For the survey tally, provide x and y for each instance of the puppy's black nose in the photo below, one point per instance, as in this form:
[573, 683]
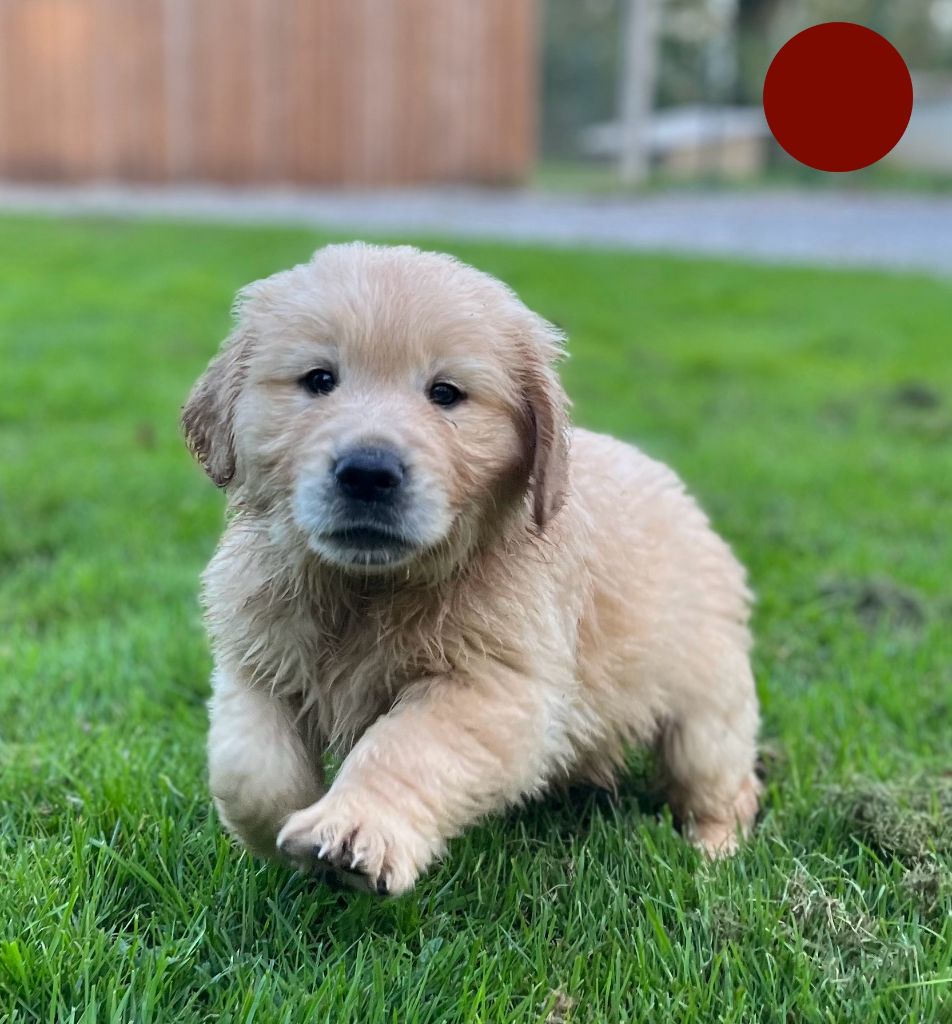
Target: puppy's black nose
[369, 474]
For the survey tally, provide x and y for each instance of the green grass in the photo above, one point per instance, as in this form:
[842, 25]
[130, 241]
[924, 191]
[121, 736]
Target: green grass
[810, 410]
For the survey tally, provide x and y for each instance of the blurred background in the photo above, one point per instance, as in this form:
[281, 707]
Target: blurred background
[558, 94]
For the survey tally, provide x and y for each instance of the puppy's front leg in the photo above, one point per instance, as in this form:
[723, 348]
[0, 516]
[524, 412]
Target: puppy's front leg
[258, 768]
[451, 751]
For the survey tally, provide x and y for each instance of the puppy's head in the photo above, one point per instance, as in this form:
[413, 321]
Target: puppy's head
[386, 405]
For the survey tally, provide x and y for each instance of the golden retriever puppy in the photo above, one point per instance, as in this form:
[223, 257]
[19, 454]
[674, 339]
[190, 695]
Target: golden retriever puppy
[429, 574]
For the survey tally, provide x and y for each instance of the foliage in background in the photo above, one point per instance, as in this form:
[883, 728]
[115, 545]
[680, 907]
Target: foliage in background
[580, 67]
[712, 51]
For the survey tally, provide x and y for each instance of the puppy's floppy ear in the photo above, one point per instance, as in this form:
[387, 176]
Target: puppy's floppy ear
[547, 405]
[208, 415]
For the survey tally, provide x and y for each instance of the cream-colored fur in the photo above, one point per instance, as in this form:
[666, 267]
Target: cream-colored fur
[562, 596]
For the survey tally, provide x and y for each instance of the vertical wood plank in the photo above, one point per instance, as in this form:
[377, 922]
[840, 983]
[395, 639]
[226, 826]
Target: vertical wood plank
[303, 91]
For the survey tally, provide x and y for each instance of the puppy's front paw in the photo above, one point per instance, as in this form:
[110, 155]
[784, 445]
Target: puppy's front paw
[369, 846]
[719, 837]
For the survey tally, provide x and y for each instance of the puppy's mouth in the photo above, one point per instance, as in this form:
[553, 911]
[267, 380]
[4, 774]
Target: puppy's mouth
[368, 538]
[365, 544]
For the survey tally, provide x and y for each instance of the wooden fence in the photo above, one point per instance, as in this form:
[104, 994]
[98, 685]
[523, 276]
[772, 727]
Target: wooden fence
[300, 91]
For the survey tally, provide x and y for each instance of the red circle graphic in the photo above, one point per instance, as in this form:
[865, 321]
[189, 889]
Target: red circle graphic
[838, 96]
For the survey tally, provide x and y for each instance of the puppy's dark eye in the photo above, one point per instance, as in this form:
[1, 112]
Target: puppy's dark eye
[319, 382]
[446, 395]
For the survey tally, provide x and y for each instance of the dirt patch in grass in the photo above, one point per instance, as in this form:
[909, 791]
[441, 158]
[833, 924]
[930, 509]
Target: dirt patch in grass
[915, 394]
[726, 924]
[930, 885]
[910, 821]
[839, 412]
[918, 410]
[876, 601]
[836, 930]
[560, 1010]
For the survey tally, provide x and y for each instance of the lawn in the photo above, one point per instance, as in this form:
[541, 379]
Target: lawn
[810, 410]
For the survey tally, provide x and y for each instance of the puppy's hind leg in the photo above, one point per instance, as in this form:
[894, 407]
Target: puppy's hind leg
[709, 754]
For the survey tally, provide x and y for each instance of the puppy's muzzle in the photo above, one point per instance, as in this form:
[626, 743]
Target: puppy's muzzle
[370, 475]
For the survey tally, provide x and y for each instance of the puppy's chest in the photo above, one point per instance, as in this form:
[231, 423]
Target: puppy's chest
[353, 663]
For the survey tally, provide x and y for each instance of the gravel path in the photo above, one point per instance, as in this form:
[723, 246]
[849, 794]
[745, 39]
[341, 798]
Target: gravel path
[885, 230]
